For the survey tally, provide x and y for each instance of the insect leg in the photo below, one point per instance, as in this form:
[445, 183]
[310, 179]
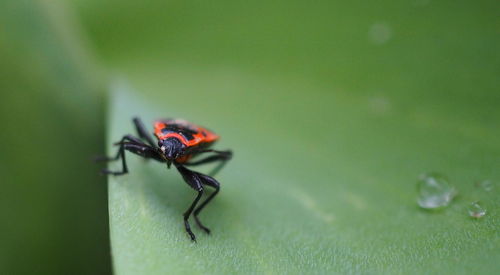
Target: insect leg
[144, 151]
[121, 153]
[210, 182]
[141, 130]
[193, 180]
[129, 138]
[222, 156]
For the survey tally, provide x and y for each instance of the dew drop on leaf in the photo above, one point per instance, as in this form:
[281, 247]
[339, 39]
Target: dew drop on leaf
[475, 210]
[434, 191]
[486, 185]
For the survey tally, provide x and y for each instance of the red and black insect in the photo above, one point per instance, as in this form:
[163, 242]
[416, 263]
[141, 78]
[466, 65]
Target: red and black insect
[178, 141]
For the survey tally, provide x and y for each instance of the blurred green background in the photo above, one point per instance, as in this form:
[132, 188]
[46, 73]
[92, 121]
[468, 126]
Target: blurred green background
[358, 97]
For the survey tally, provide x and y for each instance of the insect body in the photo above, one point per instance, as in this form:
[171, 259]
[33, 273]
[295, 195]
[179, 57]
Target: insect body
[178, 141]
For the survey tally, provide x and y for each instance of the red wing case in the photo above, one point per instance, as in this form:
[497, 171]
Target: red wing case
[189, 134]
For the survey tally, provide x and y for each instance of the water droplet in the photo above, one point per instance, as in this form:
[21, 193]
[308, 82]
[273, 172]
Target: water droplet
[434, 191]
[475, 210]
[486, 185]
[380, 33]
[380, 105]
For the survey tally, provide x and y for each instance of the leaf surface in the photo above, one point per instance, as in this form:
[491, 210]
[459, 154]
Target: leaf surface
[303, 196]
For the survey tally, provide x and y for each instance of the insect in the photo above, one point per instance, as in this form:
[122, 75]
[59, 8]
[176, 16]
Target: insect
[178, 142]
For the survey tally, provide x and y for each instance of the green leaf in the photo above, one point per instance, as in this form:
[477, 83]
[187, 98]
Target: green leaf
[52, 199]
[320, 183]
